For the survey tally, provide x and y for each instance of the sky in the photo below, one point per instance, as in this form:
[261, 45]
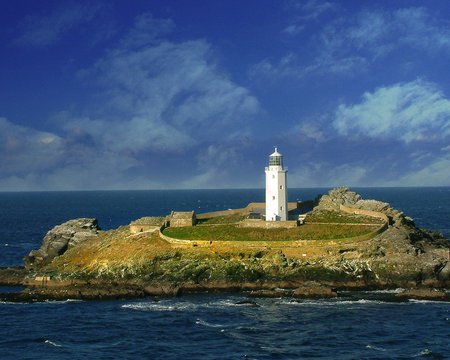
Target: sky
[169, 94]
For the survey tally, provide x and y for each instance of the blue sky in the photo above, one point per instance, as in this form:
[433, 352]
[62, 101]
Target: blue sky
[195, 94]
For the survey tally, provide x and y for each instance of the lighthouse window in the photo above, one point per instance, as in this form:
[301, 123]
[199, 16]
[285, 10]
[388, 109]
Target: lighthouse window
[281, 187]
[273, 176]
[275, 161]
[273, 197]
[281, 208]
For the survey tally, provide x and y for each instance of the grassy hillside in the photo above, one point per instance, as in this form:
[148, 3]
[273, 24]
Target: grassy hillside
[234, 233]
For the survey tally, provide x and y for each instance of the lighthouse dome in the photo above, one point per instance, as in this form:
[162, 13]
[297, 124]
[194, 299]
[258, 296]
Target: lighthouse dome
[275, 153]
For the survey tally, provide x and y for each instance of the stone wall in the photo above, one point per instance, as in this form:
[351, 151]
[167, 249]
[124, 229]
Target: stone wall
[370, 213]
[138, 228]
[214, 214]
[268, 224]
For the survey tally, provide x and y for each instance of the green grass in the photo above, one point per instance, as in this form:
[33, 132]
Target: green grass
[233, 233]
[340, 218]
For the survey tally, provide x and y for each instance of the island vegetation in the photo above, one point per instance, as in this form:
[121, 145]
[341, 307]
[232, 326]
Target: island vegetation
[370, 246]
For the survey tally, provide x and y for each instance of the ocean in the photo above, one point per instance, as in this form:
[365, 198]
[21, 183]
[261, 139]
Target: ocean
[211, 326]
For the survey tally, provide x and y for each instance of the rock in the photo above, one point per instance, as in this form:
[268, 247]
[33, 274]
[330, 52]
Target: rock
[161, 290]
[318, 291]
[270, 293]
[61, 238]
[423, 294]
[337, 197]
[12, 275]
[343, 196]
[444, 273]
[73, 292]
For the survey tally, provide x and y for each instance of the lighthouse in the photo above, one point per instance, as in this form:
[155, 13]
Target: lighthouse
[276, 189]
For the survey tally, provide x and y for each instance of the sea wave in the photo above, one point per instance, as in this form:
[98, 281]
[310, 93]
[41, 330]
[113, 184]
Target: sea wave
[373, 347]
[173, 305]
[52, 343]
[160, 306]
[430, 354]
[423, 301]
[208, 324]
[328, 302]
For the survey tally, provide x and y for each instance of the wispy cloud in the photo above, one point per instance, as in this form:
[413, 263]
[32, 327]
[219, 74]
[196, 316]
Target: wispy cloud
[376, 33]
[46, 29]
[311, 9]
[166, 96]
[349, 45]
[435, 173]
[157, 104]
[146, 29]
[291, 66]
[410, 111]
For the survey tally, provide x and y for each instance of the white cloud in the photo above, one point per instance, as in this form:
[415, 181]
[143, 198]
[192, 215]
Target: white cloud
[156, 101]
[379, 32]
[293, 29]
[146, 29]
[436, 173]
[308, 130]
[310, 10]
[167, 96]
[47, 29]
[348, 45]
[291, 66]
[24, 150]
[410, 111]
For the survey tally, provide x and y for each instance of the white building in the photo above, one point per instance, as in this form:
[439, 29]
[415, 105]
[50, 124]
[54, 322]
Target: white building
[276, 189]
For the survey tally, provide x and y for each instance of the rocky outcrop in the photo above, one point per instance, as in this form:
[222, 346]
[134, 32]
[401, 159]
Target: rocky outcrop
[342, 196]
[423, 294]
[12, 275]
[61, 238]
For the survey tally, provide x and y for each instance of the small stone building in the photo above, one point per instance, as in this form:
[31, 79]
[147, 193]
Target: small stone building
[182, 218]
[148, 223]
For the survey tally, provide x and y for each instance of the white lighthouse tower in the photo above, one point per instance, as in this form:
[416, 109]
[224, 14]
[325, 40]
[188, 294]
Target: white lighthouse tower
[276, 189]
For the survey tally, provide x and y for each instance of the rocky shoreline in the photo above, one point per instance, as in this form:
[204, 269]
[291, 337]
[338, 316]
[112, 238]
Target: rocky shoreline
[79, 261]
[15, 277]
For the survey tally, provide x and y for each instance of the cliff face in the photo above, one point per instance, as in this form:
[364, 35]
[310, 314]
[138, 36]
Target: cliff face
[61, 238]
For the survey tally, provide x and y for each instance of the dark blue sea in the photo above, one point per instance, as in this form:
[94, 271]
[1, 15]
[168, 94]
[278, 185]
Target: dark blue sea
[210, 326]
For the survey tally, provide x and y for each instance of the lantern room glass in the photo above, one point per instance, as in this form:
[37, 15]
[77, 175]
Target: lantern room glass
[275, 161]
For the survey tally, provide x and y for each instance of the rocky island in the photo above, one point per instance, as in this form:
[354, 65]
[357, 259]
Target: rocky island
[344, 243]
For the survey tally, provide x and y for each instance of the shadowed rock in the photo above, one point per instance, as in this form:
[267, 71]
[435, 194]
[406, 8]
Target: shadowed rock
[61, 238]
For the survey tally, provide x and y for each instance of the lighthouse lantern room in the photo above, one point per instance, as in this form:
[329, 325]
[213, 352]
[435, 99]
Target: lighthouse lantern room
[276, 189]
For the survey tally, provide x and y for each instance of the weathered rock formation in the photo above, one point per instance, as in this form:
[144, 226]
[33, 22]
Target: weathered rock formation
[61, 238]
[342, 196]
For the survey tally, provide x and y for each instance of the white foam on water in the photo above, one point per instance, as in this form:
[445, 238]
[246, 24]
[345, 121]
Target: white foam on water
[149, 306]
[329, 303]
[428, 301]
[373, 347]
[52, 343]
[207, 324]
[13, 303]
[184, 306]
[385, 291]
[231, 303]
[429, 354]
[66, 301]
